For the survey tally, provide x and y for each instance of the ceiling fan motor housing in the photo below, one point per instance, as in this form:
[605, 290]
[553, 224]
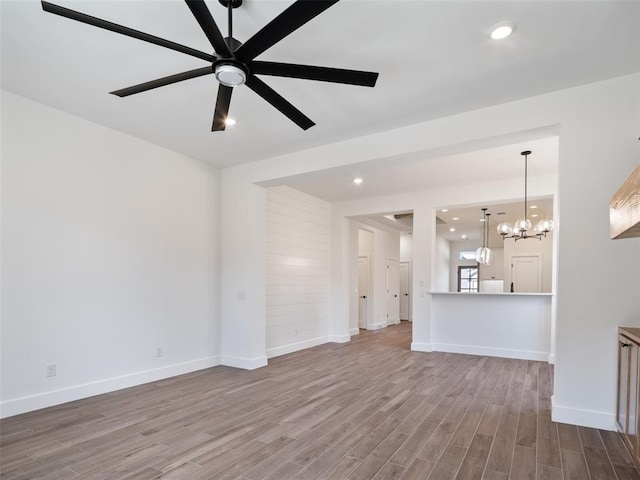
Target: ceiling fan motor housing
[230, 71]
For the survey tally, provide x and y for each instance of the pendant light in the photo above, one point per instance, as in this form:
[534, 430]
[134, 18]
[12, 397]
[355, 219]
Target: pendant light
[520, 229]
[483, 254]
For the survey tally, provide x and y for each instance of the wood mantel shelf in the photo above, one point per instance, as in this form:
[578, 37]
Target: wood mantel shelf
[624, 211]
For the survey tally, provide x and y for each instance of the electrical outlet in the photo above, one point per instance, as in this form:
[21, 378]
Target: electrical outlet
[159, 351]
[51, 370]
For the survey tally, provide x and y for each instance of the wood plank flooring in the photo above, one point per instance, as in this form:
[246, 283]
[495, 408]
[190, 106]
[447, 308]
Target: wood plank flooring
[368, 409]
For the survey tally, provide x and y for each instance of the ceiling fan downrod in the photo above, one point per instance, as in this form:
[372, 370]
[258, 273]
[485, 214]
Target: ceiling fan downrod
[231, 73]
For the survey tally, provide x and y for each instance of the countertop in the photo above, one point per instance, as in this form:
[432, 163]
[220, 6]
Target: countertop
[504, 294]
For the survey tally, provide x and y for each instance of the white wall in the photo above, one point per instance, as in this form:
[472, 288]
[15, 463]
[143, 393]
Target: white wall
[110, 249]
[406, 247]
[365, 242]
[442, 265]
[243, 275]
[298, 256]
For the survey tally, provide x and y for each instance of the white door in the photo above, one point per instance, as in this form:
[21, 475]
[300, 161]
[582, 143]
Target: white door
[526, 273]
[363, 290]
[393, 291]
[405, 297]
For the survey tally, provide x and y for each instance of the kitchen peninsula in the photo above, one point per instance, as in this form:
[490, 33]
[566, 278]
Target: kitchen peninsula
[512, 325]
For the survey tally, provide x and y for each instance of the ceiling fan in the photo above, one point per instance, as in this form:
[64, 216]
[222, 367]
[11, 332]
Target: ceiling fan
[233, 62]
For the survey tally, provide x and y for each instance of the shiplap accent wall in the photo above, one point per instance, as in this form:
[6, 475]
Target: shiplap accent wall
[298, 257]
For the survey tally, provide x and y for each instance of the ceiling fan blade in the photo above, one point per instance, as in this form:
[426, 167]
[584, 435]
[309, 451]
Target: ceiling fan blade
[209, 27]
[287, 22]
[161, 82]
[129, 32]
[309, 72]
[222, 108]
[274, 98]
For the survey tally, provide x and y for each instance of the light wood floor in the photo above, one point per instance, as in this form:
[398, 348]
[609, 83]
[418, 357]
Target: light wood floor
[369, 409]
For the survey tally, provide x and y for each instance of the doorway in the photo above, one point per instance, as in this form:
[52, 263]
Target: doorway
[526, 273]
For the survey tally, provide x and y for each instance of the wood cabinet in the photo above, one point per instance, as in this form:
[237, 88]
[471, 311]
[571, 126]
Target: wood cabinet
[627, 405]
[494, 271]
[624, 211]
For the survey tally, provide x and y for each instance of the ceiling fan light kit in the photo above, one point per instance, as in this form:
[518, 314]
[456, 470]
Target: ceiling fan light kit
[521, 227]
[233, 62]
[230, 75]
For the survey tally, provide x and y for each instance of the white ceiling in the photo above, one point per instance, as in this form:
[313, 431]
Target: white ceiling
[468, 221]
[422, 171]
[434, 59]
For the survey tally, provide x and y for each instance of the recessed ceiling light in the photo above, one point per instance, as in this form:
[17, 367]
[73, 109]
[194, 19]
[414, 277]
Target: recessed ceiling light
[229, 121]
[502, 30]
[452, 229]
[445, 210]
[357, 180]
[533, 206]
[456, 218]
[534, 215]
[482, 220]
[464, 237]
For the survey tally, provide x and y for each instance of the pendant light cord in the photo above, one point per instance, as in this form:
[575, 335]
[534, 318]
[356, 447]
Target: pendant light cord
[525, 188]
[487, 227]
[230, 15]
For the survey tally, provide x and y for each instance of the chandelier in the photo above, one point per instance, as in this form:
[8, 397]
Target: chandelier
[483, 254]
[520, 229]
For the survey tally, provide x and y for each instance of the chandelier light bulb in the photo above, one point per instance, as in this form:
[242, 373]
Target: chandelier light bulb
[544, 226]
[522, 225]
[505, 228]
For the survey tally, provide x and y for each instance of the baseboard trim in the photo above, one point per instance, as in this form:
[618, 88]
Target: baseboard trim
[491, 352]
[244, 363]
[341, 338]
[29, 403]
[294, 347]
[584, 418]
[376, 326]
[421, 347]
[354, 331]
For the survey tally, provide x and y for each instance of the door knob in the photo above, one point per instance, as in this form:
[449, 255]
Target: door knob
[363, 296]
[395, 296]
[406, 294]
